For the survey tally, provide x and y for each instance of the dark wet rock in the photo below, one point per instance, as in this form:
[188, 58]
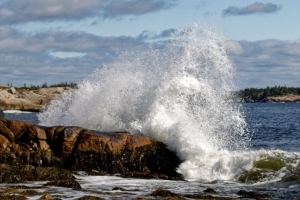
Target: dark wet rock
[90, 198]
[12, 197]
[1, 114]
[75, 148]
[163, 193]
[17, 172]
[204, 197]
[69, 183]
[146, 175]
[253, 195]
[46, 196]
[210, 190]
[118, 188]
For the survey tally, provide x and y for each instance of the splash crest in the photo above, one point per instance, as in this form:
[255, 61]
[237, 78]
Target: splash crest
[179, 93]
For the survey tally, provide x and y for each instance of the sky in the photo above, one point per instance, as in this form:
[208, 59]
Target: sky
[54, 41]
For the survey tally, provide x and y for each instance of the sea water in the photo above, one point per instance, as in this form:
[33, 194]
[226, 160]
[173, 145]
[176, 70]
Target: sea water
[181, 93]
[275, 130]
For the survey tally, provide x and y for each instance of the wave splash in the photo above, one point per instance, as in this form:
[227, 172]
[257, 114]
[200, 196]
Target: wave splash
[179, 93]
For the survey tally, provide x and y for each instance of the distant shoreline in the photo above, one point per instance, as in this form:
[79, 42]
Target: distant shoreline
[34, 100]
[290, 98]
[29, 100]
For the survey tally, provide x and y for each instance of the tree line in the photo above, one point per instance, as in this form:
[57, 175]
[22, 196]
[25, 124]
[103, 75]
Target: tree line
[261, 93]
[45, 85]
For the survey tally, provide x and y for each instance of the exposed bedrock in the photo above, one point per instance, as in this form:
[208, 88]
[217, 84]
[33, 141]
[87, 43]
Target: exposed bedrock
[29, 100]
[79, 149]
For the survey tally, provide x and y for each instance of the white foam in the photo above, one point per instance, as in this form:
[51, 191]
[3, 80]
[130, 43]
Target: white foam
[16, 112]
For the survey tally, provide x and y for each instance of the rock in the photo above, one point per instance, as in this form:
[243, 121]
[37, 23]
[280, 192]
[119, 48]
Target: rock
[253, 195]
[1, 114]
[19, 172]
[29, 100]
[90, 198]
[163, 193]
[210, 190]
[12, 197]
[12, 90]
[46, 196]
[69, 183]
[75, 148]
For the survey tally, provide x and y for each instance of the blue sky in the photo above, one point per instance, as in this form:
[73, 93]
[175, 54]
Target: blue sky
[50, 41]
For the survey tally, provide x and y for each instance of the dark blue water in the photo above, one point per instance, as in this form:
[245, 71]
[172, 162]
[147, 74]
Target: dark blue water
[22, 116]
[274, 125]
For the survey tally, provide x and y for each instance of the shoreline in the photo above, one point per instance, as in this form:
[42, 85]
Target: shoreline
[34, 100]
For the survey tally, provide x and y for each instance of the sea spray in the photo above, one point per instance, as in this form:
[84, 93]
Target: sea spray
[179, 93]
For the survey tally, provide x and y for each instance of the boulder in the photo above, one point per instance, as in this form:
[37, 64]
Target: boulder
[79, 149]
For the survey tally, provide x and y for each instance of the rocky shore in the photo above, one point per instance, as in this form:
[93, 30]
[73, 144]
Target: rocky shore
[35, 153]
[28, 100]
[78, 149]
[52, 156]
[272, 99]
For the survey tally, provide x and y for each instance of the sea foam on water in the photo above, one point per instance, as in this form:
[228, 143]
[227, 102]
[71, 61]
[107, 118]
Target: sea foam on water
[179, 93]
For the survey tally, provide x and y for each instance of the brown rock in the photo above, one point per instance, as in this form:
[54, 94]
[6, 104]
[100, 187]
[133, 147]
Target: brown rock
[6, 132]
[69, 183]
[4, 142]
[78, 149]
[163, 193]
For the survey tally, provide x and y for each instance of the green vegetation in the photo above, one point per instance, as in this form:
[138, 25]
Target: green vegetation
[261, 93]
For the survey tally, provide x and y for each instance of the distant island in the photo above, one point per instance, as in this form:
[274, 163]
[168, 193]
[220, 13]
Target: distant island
[270, 94]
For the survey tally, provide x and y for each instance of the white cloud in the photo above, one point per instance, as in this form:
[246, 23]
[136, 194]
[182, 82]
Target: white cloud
[268, 63]
[22, 11]
[251, 9]
[66, 54]
[53, 57]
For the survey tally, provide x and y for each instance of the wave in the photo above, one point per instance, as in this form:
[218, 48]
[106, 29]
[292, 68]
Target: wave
[179, 93]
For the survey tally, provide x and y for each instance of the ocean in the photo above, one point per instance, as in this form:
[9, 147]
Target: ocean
[275, 137]
[181, 93]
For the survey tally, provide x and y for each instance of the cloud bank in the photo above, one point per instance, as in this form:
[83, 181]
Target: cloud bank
[31, 58]
[251, 9]
[54, 57]
[58, 56]
[22, 11]
[266, 62]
